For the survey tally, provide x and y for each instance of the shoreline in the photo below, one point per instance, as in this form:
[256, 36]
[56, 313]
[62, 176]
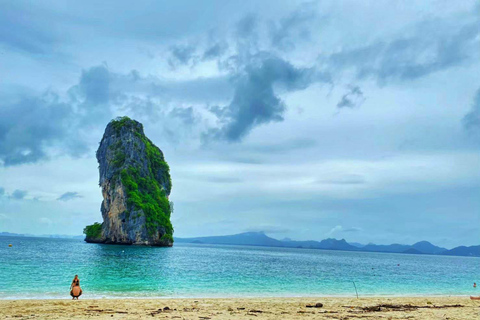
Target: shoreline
[427, 307]
[366, 296]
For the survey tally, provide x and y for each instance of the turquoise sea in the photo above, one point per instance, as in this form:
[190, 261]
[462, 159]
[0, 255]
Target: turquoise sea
[44, 268]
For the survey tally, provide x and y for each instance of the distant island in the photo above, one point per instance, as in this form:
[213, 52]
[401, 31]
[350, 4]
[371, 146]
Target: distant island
[261, 239]
[136, 183]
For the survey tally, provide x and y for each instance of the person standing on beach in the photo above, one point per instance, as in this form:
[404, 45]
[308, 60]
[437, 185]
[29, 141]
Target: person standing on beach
[75, 290]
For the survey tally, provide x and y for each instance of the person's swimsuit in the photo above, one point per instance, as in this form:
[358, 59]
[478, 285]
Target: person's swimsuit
[76, 283]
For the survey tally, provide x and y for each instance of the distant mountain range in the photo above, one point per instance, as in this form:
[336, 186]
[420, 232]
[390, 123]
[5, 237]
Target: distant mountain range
[261, 239]
[60, 236]
[423, 247]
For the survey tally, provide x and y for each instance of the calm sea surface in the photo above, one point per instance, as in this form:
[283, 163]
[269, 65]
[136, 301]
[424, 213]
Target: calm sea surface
[44, 268]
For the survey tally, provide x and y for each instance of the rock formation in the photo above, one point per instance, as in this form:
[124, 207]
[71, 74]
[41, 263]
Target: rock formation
[135, 183]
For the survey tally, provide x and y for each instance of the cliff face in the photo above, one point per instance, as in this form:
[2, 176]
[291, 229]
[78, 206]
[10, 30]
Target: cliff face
[135, 183]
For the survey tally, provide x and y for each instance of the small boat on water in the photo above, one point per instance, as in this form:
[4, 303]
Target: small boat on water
[474, 298]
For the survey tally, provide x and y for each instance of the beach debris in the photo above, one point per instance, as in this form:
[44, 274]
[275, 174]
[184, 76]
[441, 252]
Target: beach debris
[240, 308]
[381, 307]
[256, 311]
[316, 305]
[356, 292]
[189, 309]
[445, 306]
[106, 311]
[229, 309]
[205, 318]
[153, 313]
[402, 307]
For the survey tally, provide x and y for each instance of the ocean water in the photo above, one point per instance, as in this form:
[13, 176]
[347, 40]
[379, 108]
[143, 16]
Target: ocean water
[44, 268]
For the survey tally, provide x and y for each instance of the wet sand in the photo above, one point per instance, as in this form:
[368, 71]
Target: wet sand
[245, 308]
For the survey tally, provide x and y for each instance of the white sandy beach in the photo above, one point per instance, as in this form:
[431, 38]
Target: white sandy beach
[245, 308]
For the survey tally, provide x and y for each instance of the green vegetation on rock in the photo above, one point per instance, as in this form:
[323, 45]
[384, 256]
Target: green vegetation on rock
[158, 168]
[119, 123]
[93, 231]
[146, 194]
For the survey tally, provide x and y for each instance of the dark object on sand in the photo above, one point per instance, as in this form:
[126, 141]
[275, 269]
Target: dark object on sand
[474, 298]
[316, 305]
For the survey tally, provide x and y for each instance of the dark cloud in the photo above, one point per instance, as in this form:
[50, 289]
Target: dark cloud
[215, 51]
[69, 196]
[471, 120]
[30, 124]
[187, 115]
[181, 55]
[286, 33]
[141, 108]
[22, 28]
[18, 194]
[94, 85]
[254, 101]
[94, 95]
[353, 98]
[434, 46]
[247, 26]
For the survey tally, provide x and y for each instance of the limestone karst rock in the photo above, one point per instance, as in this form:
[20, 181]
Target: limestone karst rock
[136, 183]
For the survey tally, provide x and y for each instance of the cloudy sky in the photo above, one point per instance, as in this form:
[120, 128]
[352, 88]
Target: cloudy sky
[345, 119]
